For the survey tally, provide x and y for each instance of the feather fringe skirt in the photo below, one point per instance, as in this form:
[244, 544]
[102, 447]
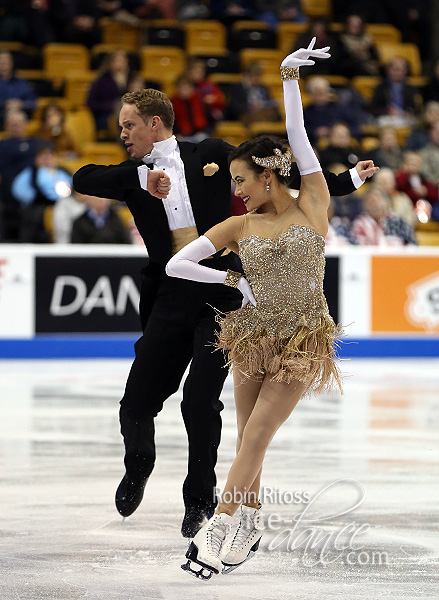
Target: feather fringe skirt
[308, 355]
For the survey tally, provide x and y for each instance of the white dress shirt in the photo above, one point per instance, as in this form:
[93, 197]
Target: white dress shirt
[166, 156]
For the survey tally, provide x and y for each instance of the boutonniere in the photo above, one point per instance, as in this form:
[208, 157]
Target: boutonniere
[210, 169]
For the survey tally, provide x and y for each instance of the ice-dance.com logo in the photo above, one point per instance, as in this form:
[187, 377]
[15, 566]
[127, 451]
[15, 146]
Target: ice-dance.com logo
[318, 538]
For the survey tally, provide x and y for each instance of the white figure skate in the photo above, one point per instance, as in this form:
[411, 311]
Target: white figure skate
[242, 546]
[206, 546]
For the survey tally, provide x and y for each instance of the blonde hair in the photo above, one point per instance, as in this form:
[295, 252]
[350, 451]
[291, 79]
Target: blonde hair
[150, 102]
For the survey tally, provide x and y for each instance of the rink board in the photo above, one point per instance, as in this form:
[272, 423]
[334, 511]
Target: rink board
[82, 301]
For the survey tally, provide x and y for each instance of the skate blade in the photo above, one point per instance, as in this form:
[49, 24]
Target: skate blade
[191, 555]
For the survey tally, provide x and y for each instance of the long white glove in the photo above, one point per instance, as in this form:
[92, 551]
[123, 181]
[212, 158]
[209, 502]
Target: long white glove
[302, 150]
[185, 265]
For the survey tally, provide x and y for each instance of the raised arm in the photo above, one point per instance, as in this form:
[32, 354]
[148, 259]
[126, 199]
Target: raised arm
[314, 194]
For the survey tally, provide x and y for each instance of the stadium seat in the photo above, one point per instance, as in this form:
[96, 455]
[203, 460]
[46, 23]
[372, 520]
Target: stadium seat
[100, 51]
[268, 59]
[287, 34]
[70, 164]
[218, 61]
[126, 36]
[162, 63]
[252, 34]
[317, 8]
[268, 127]
[42, 84]
[365, 85]
[388, 50]
[164, 32]
[59, 59]
[77, 87]
[81, 126]
[384, 33]
[48, 222]
[369, 143]
[233, 132]
[103, 153]
[204, 35]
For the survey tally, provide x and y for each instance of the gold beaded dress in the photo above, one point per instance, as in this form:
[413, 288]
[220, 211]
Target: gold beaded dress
[289, 334]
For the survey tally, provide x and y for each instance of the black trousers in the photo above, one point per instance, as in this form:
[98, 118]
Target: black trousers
[180, 329]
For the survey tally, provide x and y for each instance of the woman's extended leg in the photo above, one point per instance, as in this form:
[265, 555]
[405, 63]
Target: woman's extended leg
[273, 406]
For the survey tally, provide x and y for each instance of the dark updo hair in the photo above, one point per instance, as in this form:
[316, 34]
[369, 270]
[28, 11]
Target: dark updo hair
[261, 146]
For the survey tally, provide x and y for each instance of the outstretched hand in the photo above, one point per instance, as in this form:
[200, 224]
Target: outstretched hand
[158, 183]
[365, 169]
[301, 57]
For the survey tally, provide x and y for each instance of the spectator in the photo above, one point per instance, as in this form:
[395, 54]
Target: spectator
[66, 210]
[409, 179]
[250, 100]
[75, 22]
[191, 123]
[52, 129]
[319, 28]
[151, 9]
[358, 55]
[36, 188]
[17, 151]
[15, 94]
[418, 137]
[398, 202]
[106, 91]
[99, 224]
[213, 99]
[339, 229]
[323, 111]
[378, 226]
[431, 90]
[229, 11]
[430, 155]
[340, 149]
[394, 98]
[192, 9]
[273, 11]
[389, 152]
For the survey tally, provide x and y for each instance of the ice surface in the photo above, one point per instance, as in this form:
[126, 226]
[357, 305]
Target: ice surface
[61, 461]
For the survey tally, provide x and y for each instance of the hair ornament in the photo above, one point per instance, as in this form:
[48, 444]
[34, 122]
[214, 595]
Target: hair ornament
[277, 161]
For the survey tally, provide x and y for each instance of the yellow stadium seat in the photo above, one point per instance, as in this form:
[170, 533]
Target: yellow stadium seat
[127, 37]
[59, 59]
[70, 164]
[48, 222]
[233, 132]
[103, 153]
[81, 126]
[12, 46]
[384, 33]
[162, 63]
[317, 8]
[268, 59]
[77, 87]
[427, 238]
[226, 78]
[402, 133]
[365, 85]
[369, 143]
[269, 127]
[287, 34]
[204, 36]
[388, 50]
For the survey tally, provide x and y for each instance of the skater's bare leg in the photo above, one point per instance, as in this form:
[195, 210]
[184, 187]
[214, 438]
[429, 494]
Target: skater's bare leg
[274, 404]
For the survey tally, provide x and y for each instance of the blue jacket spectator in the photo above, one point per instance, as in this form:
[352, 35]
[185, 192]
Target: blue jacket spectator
[15, 94]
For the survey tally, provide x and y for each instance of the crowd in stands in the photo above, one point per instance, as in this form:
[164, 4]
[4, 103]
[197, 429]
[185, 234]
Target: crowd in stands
[357, 106]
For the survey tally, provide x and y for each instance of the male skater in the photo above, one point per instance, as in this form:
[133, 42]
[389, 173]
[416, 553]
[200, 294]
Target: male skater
[177, 319]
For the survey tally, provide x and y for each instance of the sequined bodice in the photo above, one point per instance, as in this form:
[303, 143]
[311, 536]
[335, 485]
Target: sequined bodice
[286, 276]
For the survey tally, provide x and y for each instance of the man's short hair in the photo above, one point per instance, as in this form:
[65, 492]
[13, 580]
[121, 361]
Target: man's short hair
[150, 102]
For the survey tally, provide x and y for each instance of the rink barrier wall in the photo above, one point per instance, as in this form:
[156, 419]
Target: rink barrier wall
[82, 301]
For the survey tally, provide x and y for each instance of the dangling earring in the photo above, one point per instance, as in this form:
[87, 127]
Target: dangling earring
[268, 188]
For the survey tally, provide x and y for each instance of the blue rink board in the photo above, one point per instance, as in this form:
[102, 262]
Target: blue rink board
[121, 346]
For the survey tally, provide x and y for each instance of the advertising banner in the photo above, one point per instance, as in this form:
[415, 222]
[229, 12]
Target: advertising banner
[87, 294]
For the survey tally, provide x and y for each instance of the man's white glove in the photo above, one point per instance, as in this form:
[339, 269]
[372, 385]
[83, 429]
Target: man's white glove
[300, 58]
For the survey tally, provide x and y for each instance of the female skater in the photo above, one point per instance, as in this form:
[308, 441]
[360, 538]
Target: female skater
[281, 342]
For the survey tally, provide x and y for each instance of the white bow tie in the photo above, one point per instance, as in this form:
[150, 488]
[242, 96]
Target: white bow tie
[153, 157]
